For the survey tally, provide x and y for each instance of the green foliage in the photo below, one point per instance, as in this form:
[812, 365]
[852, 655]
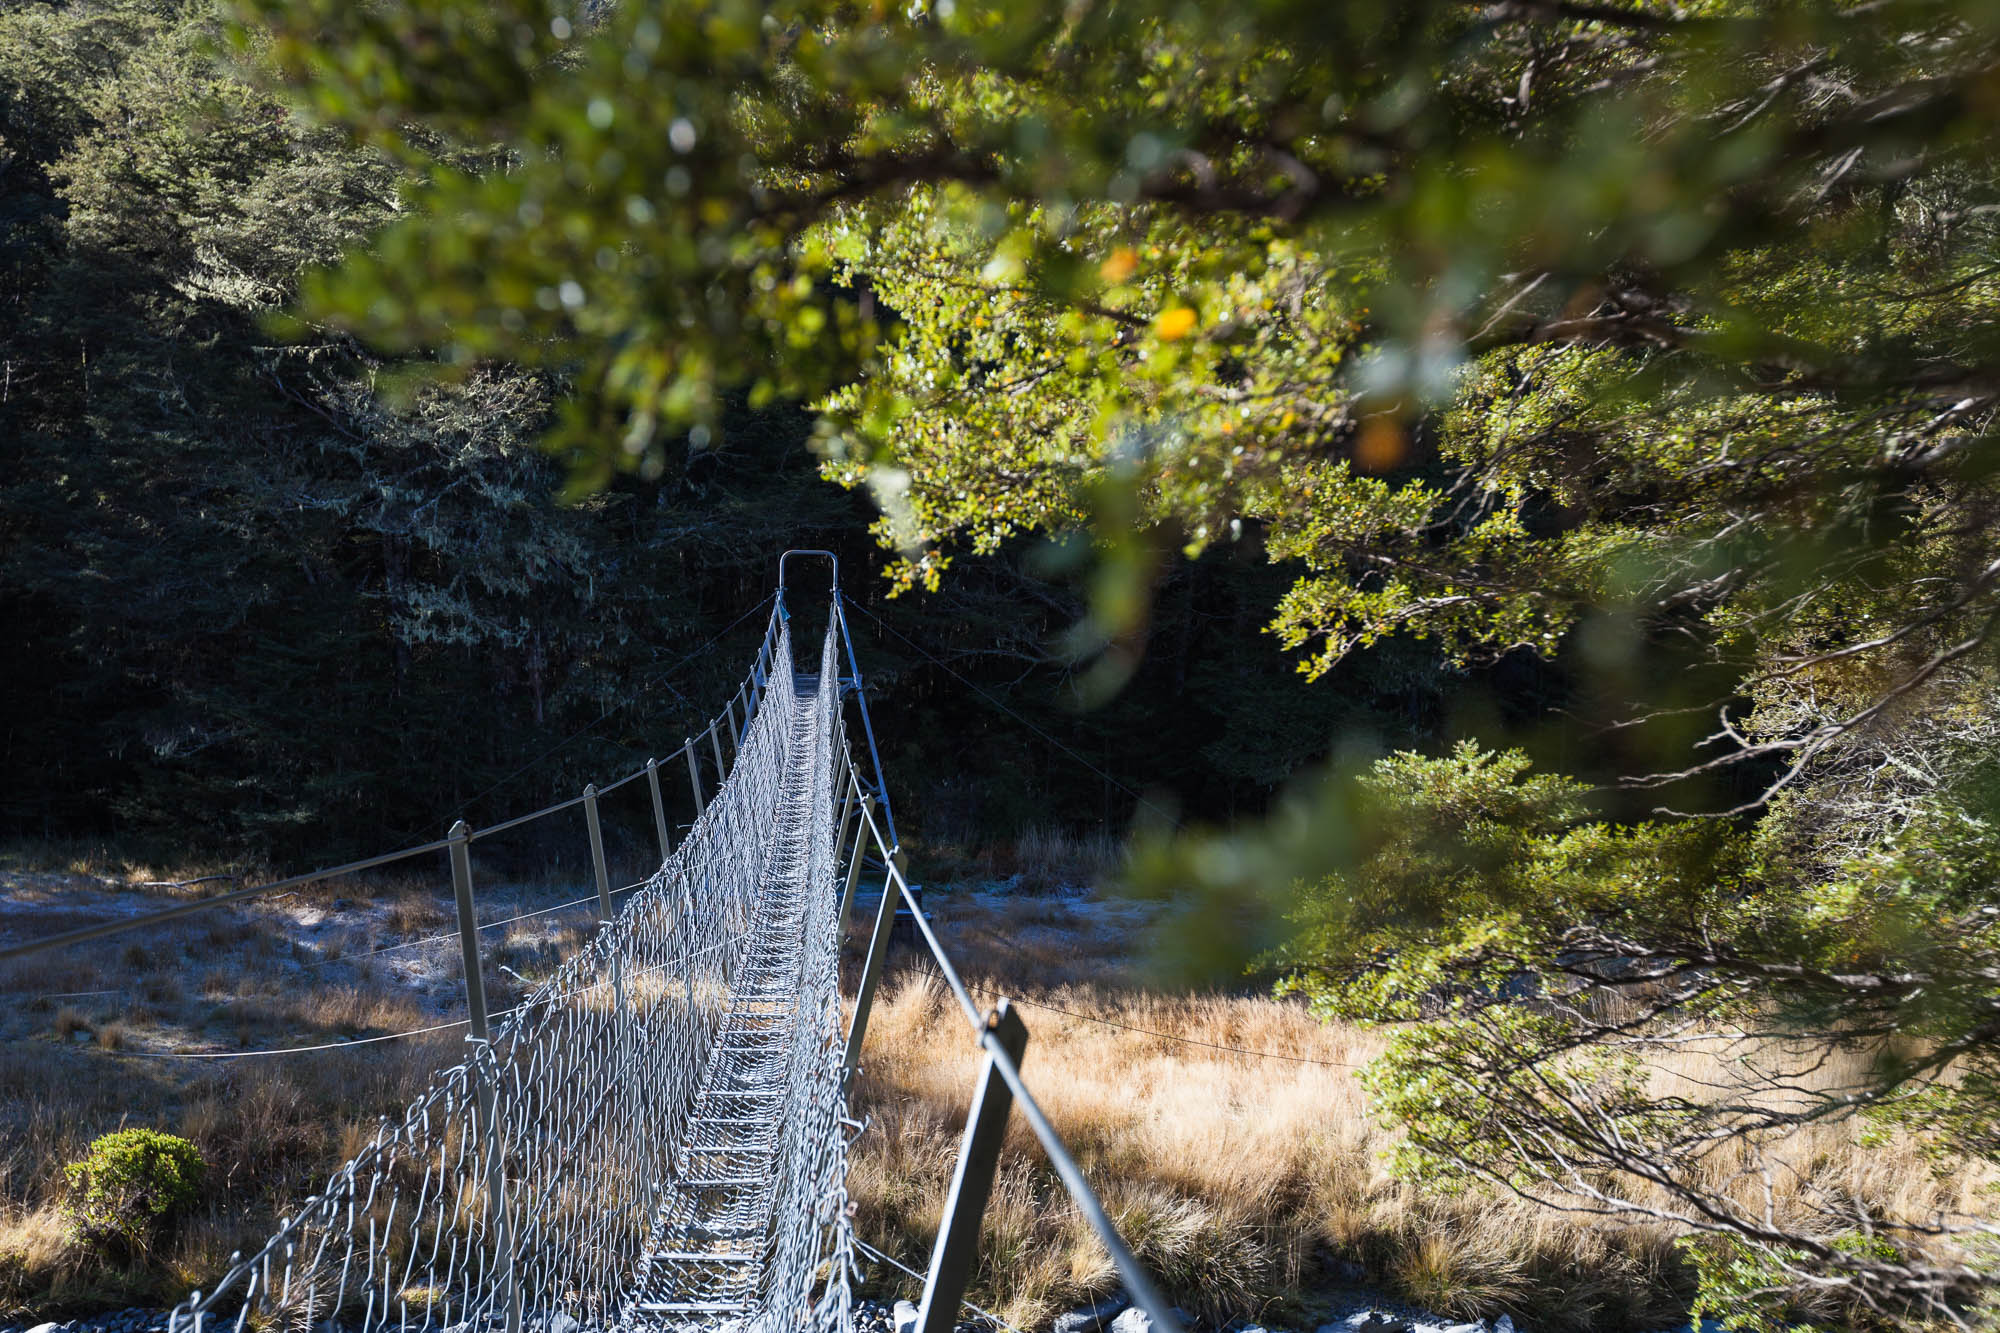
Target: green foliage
[1650, 348]
[131, 1186]
[292, 597]
[1541, 967]
[1466, 865]
[1486, 319]
[1751, 1290]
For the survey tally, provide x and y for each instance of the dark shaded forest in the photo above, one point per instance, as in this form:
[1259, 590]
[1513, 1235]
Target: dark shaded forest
[260, 594]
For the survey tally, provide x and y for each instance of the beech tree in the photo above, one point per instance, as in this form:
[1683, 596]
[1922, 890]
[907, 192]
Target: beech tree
[1656, 341]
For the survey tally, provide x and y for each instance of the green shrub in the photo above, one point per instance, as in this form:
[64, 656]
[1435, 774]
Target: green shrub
[132, 1184]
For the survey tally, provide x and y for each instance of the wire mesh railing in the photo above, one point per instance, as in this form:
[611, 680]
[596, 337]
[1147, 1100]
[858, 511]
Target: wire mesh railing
[757, 1204]
[656, 1137]
[521, 1189]
[1001, 1034]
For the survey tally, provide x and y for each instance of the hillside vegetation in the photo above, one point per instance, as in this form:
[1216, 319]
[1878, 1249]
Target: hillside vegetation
[266, 596]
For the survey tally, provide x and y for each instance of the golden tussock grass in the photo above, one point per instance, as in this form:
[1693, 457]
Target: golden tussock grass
[1251, 1184]
[1248, 1184]
[269, 1133]
[1047, 858]
[1040, 859]
[87, 1035]
[1244, 1183]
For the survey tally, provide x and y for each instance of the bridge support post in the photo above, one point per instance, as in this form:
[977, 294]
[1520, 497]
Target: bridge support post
[854, 865]
[978, 1159]
[499, 1215]
[871, 969]
[468, 928]
[694, 777]
[604, 913]
[659, 809]
[597, 864]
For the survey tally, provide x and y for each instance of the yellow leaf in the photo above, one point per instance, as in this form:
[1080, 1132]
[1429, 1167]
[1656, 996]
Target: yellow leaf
[1119, 266]
[1381, 444]
[1174, 324]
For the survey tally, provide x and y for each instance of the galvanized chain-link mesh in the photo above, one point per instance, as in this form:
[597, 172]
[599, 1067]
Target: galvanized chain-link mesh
[550, 1180]
[759, 1169]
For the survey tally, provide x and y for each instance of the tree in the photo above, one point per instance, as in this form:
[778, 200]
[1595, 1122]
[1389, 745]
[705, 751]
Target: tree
[1652, 1021]
[1494, 315]
[259, 598]
[1655, 342]
[270, 594]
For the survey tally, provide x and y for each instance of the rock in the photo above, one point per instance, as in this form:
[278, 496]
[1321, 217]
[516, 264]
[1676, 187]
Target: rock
[1479, 1327]
[1506, 1325]
[904, 1317]
[1092, 1318]
[1371, 1321]
[562, 1323]
[46, 1328]
[1136, 1320]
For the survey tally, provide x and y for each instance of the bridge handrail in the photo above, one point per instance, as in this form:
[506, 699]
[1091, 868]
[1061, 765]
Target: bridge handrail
[867, 723]
[852, 680]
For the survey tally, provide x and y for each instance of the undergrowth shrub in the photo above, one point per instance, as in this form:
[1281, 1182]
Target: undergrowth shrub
[130, 1187]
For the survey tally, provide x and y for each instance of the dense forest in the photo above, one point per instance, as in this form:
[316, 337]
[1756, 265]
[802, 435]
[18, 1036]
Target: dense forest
[265, 595]
[1501, 498]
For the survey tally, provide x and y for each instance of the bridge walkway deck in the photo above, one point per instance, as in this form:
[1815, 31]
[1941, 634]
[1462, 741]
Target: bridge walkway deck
[706, 1258]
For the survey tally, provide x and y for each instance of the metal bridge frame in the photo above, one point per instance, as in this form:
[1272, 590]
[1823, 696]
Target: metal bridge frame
[1000, 1033]
[851, 681]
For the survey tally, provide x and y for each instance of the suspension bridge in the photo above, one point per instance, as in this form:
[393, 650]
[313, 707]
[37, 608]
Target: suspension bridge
[655, 1139]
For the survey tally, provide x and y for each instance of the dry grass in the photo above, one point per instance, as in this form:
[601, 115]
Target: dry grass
[1245, 1183]
[1041, 859]
[86, 1036]
[1252, 1184]
[1249, 1184]
[1045, 859]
